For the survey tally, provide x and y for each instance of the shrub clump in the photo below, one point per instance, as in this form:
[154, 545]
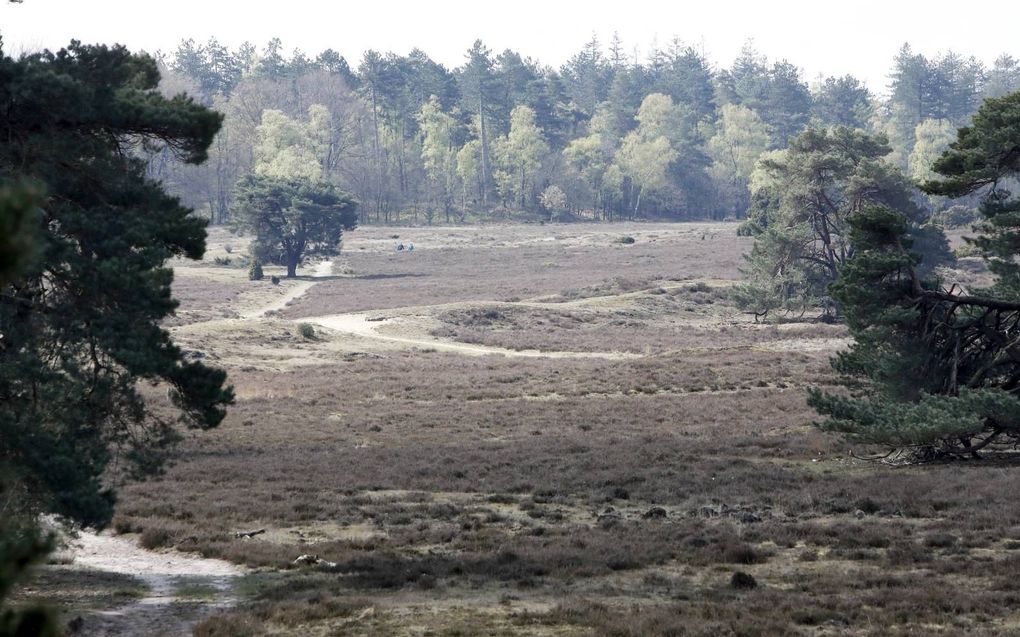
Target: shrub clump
[743, 581]
[306, 330]
[155, 537]
[255, 271]
[741, 553]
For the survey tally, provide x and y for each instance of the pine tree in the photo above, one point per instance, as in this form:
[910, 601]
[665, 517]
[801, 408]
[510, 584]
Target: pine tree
[80, 327]
[21, 543]
[292, 218]
[19, 206]
[936, 369]
[802, 201]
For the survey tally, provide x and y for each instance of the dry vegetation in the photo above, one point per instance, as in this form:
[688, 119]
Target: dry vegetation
[459, 495]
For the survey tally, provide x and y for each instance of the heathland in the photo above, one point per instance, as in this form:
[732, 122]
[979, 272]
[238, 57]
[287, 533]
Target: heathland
[540, 430]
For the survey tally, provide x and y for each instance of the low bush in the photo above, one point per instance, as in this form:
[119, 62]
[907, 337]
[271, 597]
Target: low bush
[155, 537]
[255, 271]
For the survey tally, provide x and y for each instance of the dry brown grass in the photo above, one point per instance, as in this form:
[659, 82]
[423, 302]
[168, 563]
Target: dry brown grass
[658, 319]
[461, 495]
[509, 263]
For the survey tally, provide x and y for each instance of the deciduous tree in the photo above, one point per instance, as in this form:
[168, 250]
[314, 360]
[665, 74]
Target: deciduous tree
[520, 156]
[741, 137]
[439, 151]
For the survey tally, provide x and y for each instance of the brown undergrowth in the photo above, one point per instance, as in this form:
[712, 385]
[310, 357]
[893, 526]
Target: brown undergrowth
[446, 494]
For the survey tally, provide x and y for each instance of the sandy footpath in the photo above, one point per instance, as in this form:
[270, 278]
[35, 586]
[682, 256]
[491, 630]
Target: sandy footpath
[160, 610]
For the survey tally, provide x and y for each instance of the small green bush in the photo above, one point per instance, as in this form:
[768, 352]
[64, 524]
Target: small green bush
[743, 581]
[255, 271]
[275, 280]
[626, 240]
[306, 330]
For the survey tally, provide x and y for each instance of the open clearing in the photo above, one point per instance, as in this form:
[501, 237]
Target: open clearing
[540, 430]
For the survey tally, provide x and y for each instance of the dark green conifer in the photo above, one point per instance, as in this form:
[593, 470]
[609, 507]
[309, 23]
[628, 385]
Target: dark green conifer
[936, 368]
[80, 325]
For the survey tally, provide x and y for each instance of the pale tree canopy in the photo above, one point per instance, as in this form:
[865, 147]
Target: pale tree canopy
[648, 150]
[589, 157]
[290, 149]
[933, 137]
[519, 155]
[742, 137]
[438, 151]
[646, 161]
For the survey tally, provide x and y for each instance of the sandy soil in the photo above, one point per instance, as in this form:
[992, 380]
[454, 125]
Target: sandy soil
[162, 610]
[256, 330]
[323, 269]
[404, 331]
[400, 330]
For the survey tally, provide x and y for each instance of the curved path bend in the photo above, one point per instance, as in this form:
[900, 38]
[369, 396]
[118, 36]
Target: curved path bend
[359, 324]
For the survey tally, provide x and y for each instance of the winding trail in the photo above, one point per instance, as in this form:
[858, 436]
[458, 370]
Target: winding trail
[323, 269]
[359, 324]
[404, 332]
[160, 611]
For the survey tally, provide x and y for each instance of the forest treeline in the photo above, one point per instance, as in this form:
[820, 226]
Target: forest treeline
[604, 136]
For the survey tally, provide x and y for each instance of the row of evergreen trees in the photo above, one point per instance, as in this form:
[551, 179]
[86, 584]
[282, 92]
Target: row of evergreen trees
[670, 136]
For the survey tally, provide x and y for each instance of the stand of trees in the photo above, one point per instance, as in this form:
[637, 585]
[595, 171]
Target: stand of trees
[670, 136]
[936, 369]
[803, 201]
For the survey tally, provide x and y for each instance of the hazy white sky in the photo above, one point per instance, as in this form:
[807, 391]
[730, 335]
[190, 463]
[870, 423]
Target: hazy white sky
[853, 36]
